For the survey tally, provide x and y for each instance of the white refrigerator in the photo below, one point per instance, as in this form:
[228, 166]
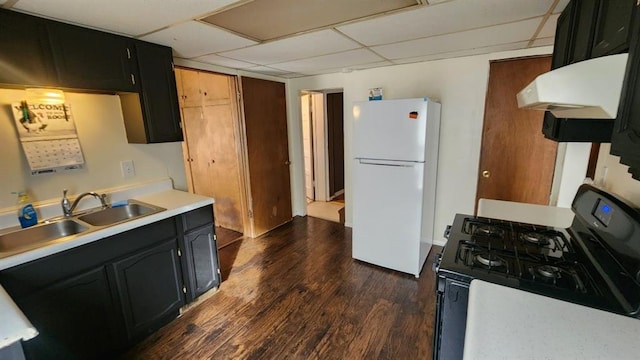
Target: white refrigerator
[395, 146]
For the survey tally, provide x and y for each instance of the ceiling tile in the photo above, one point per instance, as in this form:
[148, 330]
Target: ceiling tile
[122, 16]
[223, 61]
[543, 42]
[443, 18]
[333, 61]
[297, 47]
[271, 19]
[495, 35]
[561, 5]
[268, 71]
[350, 68]
[193, 39]
[466, 52]
[549, 28]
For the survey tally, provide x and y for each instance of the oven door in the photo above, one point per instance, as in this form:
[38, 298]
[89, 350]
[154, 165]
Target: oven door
[451, 319]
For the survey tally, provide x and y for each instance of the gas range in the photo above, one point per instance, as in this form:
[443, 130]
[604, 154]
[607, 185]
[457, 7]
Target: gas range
[595, 262]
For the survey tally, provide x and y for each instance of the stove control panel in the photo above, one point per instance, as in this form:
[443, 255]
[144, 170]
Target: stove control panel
[603, 212]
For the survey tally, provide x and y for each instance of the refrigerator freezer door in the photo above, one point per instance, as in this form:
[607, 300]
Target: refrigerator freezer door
[390, 129]
[387, 214]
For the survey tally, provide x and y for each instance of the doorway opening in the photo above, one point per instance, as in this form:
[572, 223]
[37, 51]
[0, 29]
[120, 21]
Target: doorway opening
[323, 147]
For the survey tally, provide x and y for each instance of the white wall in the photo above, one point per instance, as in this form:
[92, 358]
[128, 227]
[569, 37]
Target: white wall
[460, 84]
[103, 140]
[613, 176]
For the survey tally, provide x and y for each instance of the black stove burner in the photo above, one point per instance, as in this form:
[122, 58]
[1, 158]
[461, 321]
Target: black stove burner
[488, 230]
[549, 271]
[536, 238]
[489, 260]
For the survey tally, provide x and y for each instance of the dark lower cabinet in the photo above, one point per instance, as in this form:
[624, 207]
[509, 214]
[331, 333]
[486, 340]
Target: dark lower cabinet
[202, 259]
[201, 264]
[97, 299]
[150, 288]
[75, 319]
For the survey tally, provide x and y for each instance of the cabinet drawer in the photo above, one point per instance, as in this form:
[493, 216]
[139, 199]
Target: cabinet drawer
[197, 218]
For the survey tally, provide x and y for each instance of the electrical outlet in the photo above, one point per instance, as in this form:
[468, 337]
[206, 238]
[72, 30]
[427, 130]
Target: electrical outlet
[128, 171]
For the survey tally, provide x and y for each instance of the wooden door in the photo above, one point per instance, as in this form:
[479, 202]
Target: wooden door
[214, 88]
[516, 161]
[190, 88]
[335, 134]
[265, 119]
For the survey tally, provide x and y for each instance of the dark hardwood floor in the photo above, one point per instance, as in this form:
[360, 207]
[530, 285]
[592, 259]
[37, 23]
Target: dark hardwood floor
[296, 293]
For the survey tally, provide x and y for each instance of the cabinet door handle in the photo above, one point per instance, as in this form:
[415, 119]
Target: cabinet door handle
[133, 79]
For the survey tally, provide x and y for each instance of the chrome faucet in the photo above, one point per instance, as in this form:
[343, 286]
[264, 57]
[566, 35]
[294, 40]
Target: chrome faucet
[68, 209]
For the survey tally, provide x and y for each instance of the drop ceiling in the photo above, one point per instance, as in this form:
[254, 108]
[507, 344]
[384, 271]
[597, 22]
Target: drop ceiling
[295, 38]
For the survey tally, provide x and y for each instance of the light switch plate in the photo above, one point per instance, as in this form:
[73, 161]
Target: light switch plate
[128, 171]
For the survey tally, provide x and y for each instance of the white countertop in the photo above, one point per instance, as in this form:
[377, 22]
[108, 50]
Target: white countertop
[506, 323]
[175, 201]
[14, 325]
[525, 213]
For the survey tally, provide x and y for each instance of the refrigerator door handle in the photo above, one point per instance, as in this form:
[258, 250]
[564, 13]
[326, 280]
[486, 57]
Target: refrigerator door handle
[386, 163]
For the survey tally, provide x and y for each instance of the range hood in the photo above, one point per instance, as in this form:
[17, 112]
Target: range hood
[588, 89]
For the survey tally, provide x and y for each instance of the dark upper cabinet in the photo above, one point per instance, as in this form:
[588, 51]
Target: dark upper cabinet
[587, 29]
[159, 119]
[612, 28]
[74, 319]
[584, 25]
[562, 42]
[90, 59]
[150, 288]
[25, 55]
[626, 136]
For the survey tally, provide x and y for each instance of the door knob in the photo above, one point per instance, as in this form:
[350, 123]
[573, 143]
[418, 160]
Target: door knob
[287, 162]
[486, 174]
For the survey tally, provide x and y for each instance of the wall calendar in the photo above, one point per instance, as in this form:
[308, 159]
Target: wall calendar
[48, 136]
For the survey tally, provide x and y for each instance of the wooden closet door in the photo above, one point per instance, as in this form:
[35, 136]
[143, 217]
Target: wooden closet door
[212, 152]
[265, 119]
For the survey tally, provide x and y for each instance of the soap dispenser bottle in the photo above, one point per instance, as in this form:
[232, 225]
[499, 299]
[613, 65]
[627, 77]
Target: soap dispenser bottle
[26, 213]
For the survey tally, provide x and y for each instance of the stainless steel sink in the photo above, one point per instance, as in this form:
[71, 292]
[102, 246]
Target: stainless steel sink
[65, 228]
[115, 215]
[40, 234]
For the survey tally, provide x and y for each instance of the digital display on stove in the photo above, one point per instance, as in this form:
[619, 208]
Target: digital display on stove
[603, 212]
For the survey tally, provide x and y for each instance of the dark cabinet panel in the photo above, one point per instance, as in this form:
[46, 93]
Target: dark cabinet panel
[25, 55]
[562, 43]
[584, 26]
[626, 137]
[612, 29]
[160, 120]
[202, 259]
[90, 59]
[74, 319]
[150, 288]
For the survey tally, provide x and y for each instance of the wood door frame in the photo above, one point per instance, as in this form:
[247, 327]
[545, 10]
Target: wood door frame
[321, 144]
[312, 144]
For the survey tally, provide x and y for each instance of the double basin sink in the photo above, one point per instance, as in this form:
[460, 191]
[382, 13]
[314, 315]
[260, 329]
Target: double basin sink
[68, 228]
